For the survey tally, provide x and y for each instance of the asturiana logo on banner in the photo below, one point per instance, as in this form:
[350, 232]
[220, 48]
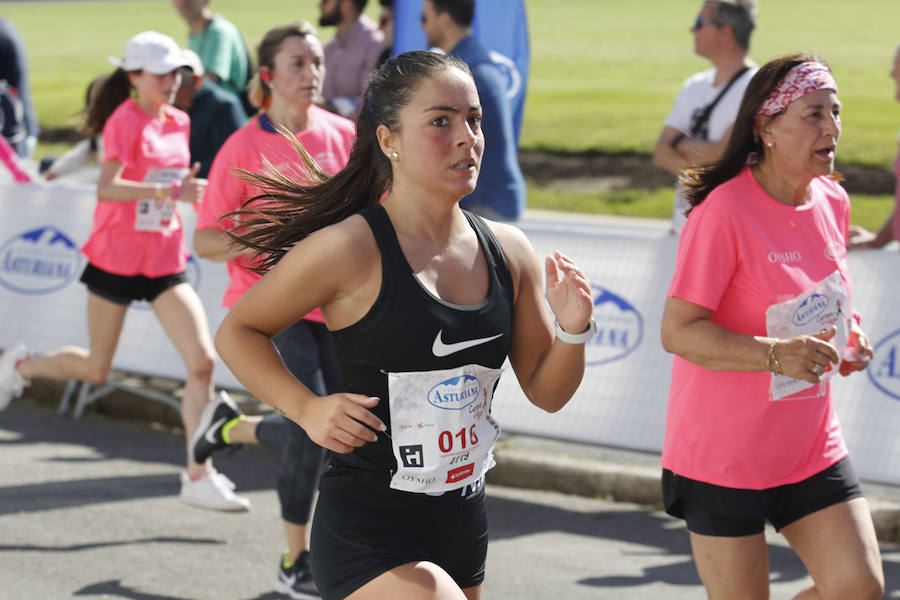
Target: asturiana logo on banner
[620, 328]
[39, 261]
[455, 393]
[810, 308]
[884, 371]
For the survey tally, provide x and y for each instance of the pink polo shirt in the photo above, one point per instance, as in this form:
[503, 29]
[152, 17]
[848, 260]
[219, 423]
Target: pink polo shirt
[328, 139]
[740, 252]
[142, 143]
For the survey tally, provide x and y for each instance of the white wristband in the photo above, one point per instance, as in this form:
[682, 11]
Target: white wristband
[576, 338]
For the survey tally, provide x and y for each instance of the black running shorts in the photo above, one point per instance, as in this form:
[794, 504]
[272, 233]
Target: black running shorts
[731, 512]
[362, 528]
[122, 289]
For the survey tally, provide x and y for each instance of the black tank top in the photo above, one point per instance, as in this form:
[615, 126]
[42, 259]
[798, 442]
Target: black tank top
[408, 323]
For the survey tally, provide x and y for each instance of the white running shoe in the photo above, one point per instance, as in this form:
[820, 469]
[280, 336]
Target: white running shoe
[11, 382]
[225, 480]
[211, 492]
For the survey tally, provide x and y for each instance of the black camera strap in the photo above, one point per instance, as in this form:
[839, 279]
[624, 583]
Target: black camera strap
[699, 123]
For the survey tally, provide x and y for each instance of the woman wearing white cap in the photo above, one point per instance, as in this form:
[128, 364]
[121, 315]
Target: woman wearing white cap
[758, 316]
[136, 248]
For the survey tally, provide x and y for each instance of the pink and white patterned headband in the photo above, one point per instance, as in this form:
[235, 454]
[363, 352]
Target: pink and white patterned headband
[805, 78]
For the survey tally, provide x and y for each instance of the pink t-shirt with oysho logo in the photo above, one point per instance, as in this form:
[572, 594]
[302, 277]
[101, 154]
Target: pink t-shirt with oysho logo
[146, 146]
[740, 252]
[328, 139]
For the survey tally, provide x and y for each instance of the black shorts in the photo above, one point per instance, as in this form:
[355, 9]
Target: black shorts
[732, 512]
[362, 528]
[123, 289]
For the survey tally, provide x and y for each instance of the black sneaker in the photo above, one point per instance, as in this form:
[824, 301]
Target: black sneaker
[207, 438]
[297, 582]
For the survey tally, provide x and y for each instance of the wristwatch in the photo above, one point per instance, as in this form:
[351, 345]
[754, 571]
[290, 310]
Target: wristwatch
[576, 338]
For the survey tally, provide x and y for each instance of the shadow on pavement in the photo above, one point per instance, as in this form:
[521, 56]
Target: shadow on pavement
[115, 589]
[660, 533]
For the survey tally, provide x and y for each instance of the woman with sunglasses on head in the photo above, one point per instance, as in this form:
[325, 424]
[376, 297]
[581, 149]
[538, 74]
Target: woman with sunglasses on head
[759, 318]
[136, 250]
[424, 301]
[291, 71]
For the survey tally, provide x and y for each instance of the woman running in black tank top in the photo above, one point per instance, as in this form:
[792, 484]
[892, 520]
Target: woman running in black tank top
[425, 302]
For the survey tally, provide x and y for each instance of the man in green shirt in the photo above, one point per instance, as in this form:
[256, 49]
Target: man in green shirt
[219, 44]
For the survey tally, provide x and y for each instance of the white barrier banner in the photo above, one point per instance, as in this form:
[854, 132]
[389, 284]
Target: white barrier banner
[42, 302]
[622, 400]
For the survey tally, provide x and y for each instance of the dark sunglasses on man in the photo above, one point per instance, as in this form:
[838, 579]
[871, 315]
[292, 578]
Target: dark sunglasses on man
[700, 22]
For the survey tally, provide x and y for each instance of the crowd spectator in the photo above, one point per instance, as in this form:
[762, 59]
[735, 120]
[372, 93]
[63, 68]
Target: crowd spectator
[697, 128]
[18, 120]
[220, 46]
[501, 186]
[386, 26]
[79, 160]
[215, 114]
[351, 57]
[860, 237]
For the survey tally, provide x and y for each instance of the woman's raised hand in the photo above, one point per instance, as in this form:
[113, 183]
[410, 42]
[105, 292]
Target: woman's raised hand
[569, 293]
[192, 187]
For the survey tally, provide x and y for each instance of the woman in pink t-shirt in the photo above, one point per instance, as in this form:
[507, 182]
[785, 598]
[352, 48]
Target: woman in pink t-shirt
[136, 249]
[291, 71]
[758, 317]
[860, 237]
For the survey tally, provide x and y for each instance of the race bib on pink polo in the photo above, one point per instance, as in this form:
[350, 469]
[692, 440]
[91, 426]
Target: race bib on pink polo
[441, 427]
[818, 308]
[156, 215]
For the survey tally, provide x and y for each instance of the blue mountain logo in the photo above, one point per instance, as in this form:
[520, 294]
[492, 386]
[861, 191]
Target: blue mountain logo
[884, 370]
[620, 328]
[455, 393]
[40, 261]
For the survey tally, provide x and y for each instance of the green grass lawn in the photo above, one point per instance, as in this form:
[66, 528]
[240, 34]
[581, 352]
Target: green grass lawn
[603, 73]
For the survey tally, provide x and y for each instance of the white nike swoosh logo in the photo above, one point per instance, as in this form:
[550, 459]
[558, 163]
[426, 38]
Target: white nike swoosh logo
[209, 436]
[440, 349]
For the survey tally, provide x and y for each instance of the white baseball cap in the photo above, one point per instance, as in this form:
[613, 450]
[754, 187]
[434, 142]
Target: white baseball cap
[153, 52]
[192, 61]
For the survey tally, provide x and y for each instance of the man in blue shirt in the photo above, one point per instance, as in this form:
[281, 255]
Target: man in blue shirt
[500, 193]
[17, 118]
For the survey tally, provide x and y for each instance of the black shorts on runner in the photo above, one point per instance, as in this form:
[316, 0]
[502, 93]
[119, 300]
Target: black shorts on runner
[732, 512]
[123, 289]
[362, 529]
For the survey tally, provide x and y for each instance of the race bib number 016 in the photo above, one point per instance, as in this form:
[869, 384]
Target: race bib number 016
[441, 427]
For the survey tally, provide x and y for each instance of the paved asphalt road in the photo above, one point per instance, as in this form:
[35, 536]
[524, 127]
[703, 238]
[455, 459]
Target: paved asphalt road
[88, 509]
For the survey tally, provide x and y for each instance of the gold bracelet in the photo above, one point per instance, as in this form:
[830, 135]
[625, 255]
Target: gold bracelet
[160, 193]
[772, 364]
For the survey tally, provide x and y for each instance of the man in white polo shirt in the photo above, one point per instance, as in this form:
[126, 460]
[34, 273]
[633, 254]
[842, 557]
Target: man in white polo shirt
[697, 129]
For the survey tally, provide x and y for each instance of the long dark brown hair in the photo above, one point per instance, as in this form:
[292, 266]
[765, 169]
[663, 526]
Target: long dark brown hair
[744, 141]
[113, 91]
[289, 209]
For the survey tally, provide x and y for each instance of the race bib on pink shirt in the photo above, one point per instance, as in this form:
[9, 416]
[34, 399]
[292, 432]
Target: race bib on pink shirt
[823, 305]
[157, 215]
